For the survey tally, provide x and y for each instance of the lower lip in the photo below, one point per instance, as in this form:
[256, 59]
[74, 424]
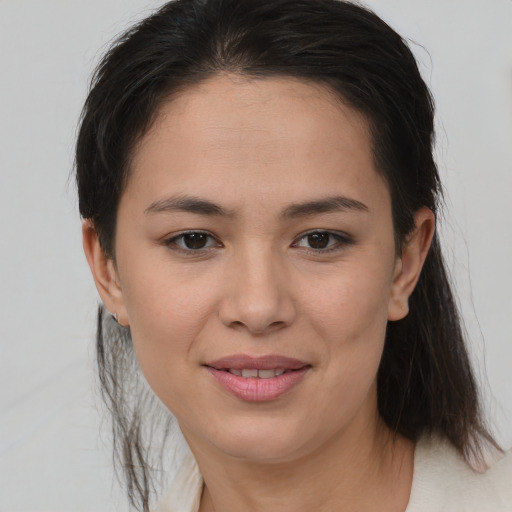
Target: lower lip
[256, 389]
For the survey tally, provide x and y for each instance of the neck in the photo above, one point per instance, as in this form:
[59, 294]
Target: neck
[364, 470]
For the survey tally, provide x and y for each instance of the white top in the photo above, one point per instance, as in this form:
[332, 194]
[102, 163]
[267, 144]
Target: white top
[442, 482]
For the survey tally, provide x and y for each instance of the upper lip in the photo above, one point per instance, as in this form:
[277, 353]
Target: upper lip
[246, 362]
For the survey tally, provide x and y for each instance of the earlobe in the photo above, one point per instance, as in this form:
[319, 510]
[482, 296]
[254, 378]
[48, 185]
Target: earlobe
[408, 266]
[104, 273]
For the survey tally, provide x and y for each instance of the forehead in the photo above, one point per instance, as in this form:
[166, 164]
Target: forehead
[270, 132]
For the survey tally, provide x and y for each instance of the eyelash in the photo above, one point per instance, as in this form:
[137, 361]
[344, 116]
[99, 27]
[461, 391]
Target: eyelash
[341, 240]
[172, 242]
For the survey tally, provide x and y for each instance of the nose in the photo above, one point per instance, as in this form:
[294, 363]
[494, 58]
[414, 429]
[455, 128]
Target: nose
[258, 294]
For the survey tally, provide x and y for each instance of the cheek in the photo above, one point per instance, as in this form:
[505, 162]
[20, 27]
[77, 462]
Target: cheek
[167, 312]
[351, 303]
[351, 320]
[349, 313]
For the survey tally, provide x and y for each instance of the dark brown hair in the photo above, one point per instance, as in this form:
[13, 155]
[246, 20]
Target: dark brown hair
[425, 382]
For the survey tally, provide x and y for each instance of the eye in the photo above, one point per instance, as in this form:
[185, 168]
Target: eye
[192, 241]
[322, 241]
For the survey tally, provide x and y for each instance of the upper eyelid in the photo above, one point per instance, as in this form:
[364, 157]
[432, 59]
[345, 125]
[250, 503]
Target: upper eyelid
[178, 234]
[168, 239]
[341, 241]
[190, 231]
[337, 234]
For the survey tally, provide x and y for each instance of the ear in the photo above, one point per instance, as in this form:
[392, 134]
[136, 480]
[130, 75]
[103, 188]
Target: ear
[104, 273]
[409, 264]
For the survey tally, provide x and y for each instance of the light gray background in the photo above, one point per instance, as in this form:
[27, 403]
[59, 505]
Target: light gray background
[51, 455]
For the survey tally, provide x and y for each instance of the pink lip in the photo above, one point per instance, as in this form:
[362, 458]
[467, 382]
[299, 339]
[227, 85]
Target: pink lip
[242, 361]
[258, 389]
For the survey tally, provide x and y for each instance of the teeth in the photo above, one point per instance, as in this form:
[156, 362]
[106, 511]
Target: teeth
[266, 374]
[254, 373]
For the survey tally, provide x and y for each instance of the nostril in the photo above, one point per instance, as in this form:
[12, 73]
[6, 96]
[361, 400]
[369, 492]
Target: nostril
[258, 312]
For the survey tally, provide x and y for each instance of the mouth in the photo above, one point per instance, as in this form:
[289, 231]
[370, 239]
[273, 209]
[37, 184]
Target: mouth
[268, 362]
[256, 373]
[258, 379]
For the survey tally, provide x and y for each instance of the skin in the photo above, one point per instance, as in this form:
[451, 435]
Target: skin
[253, 148]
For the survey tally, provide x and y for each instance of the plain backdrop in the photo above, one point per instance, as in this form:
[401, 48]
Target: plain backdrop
[52, 456]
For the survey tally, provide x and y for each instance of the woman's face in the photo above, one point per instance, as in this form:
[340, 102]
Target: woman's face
[255, 237]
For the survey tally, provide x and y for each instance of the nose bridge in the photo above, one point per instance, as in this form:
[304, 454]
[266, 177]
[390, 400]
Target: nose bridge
[258, 296]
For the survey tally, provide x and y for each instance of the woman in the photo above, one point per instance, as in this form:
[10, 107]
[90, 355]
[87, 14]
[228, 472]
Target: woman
[259, 200]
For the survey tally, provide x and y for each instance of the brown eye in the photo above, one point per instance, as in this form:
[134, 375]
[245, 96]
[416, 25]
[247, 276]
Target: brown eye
[195, 240]
[318, 240]
[323, 241]
[192, 241]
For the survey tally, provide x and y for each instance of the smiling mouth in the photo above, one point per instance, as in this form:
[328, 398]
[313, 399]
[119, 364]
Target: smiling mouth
[258, 384]
[254, 373]
[258, 378]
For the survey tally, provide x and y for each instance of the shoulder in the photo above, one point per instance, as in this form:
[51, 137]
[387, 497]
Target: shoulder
[443, 481]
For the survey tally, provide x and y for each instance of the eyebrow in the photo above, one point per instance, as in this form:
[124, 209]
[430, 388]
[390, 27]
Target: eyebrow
[188, 204]
[327, 205]
[201, 206]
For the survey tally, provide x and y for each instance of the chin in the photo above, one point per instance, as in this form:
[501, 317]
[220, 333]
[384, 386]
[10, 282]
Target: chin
[263, 441]
[263, 450]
